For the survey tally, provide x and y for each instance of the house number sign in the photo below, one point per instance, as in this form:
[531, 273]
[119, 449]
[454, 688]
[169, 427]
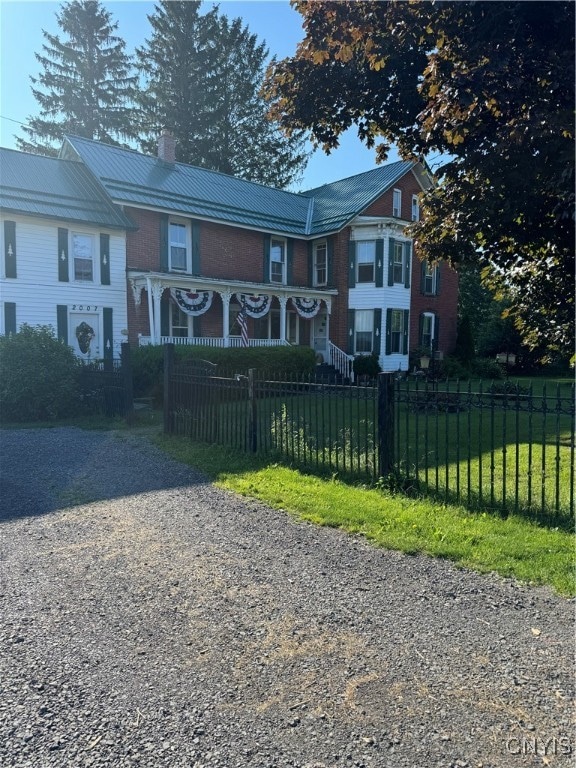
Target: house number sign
[84, 307]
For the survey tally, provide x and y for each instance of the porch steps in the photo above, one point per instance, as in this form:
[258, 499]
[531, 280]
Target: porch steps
[328, 374]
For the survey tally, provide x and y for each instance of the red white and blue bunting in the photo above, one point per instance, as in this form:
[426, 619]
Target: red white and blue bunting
[306, 307]
[192, 303]
[254, 306]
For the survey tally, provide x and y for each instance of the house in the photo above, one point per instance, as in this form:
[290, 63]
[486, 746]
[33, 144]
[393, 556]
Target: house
[331, 268]
[63, 246]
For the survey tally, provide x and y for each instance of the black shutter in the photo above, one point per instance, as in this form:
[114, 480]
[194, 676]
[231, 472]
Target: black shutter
[436, 342]
[62, 323]
[390, 263]
[421, 330]
[352, 264]
[63, 271]
[165, 317]
[310, 263]
[196, 269]
[10, 248]
[163, 242]
[105, 259]
[377, 332]
[330, 262]
[266, 242]
[423, 276]
[350, 339]
[407, 264]
[437, 286]
[405, 331]
[9, 317]
[108, 341]
[289, 261]
[379, 266]
[388, 331]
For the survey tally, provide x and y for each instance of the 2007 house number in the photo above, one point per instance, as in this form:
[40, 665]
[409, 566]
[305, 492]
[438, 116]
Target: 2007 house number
[82, 307]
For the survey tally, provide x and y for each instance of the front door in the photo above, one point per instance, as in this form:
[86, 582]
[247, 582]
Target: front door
[84, 335]
[320, 335]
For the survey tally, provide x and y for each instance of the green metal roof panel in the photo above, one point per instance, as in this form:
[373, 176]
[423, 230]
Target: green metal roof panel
[57, 189]
[338, 203]
[131, 177]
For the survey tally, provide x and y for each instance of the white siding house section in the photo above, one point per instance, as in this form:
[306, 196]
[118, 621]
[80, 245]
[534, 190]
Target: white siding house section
[368, 296]
[37, 291]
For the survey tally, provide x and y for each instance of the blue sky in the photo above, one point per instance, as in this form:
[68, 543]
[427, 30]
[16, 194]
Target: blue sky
[22, 22]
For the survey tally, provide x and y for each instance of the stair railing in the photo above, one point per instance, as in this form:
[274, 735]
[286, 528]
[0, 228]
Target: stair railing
[342, 361]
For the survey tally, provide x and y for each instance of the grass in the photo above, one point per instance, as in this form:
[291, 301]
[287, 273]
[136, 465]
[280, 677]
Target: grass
[512, 547]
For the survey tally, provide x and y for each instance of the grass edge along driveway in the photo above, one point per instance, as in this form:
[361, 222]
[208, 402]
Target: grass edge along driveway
[511, 547]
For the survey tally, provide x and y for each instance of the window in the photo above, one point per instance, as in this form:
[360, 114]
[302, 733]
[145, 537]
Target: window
[233, 325]
[415, 208]
[178, 321]
[363, 330]
[278, 261]
[398, 264]
[397, 203]
[320, 276]
[268, 327]
[365, 260]
[178, 246]
[426, 330]
[396, 331]
[83, 256]
[429, 278]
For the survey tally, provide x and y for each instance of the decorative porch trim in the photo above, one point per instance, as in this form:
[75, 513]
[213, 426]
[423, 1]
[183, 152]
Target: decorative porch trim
[192, 303]
[307, 308]
[256, 305]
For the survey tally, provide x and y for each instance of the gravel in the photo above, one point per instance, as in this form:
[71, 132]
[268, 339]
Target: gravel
[149, 619]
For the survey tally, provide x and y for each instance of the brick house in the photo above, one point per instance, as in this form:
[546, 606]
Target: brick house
[331, 268]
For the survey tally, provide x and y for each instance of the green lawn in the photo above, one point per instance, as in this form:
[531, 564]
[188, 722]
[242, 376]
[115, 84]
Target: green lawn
[513, 546]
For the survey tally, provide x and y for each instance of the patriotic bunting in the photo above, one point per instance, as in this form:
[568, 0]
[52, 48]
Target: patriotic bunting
[306, 307]
[254, 306]
[191, 303]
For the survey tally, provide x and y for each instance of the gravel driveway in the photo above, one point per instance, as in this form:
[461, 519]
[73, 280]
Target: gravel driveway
[149, 619]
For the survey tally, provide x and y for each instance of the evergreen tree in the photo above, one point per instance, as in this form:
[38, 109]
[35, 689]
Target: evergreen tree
[203, 77]
[86, 86]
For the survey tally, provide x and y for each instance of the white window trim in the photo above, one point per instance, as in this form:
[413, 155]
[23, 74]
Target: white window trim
[315, 281]
[356, 330]
[432, 317]
[72, 260]
[401, 332]
[284, 243]
[434, 277]
[186, 224]
[397, 203]
[366, 282]
[415, 208]
[189, 325]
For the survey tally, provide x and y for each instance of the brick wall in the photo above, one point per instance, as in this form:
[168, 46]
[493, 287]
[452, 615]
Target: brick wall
[383, 206]
[444, 305]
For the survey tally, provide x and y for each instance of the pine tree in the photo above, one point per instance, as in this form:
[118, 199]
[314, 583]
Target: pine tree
[204, 74]
[86, 87]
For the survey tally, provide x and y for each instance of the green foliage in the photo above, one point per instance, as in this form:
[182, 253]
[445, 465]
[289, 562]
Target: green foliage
[367, 365]
[464, 349]
[148, 363]
[488, 85]
[203, 75]
[453, 368]
[486, 368]
[86, 86]
[39, 376]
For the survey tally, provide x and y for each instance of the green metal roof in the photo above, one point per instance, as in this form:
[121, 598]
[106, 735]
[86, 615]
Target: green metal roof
[56, 189]
[132, 178]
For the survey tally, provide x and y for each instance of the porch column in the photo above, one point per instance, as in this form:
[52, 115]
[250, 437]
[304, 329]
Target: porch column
[226, 297]
[150, 310]
[157, 290]
[283, 301]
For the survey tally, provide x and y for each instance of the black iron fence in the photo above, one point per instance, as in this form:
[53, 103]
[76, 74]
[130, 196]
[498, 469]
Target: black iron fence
[105, 386]
[492, 446]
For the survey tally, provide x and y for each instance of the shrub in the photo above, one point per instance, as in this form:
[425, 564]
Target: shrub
[148, 363]
[452, 368]
[39, 376]
[366, 365]
[486, 368]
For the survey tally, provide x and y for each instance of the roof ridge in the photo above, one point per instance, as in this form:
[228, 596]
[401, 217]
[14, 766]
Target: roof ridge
[308, 192]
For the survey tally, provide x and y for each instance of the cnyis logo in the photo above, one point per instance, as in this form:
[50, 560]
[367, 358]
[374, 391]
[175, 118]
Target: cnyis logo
[84, 335]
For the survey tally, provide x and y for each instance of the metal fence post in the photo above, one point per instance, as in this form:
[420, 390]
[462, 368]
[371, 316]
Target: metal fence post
[128, 382]
[252, 419]
[168, 371]
[385, 424]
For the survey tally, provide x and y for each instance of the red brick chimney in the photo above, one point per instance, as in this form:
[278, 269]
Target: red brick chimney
[167, 146]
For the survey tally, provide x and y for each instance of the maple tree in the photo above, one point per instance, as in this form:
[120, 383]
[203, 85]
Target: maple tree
[490, 86]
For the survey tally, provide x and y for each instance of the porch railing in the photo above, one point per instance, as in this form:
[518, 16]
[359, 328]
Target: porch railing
[217, 341]
[342, 361]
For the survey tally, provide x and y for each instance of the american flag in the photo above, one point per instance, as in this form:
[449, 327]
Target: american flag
[243, 327]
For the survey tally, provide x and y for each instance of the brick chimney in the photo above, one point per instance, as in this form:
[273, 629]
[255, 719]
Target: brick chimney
[167, 146]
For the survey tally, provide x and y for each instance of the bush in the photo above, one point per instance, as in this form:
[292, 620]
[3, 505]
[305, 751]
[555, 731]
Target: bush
[486, 368]
[148, 363]
[452, 368]
[366, 365]
[39, 376]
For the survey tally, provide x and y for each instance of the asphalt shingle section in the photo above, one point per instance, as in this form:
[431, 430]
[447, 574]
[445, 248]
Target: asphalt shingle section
[56, 189]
